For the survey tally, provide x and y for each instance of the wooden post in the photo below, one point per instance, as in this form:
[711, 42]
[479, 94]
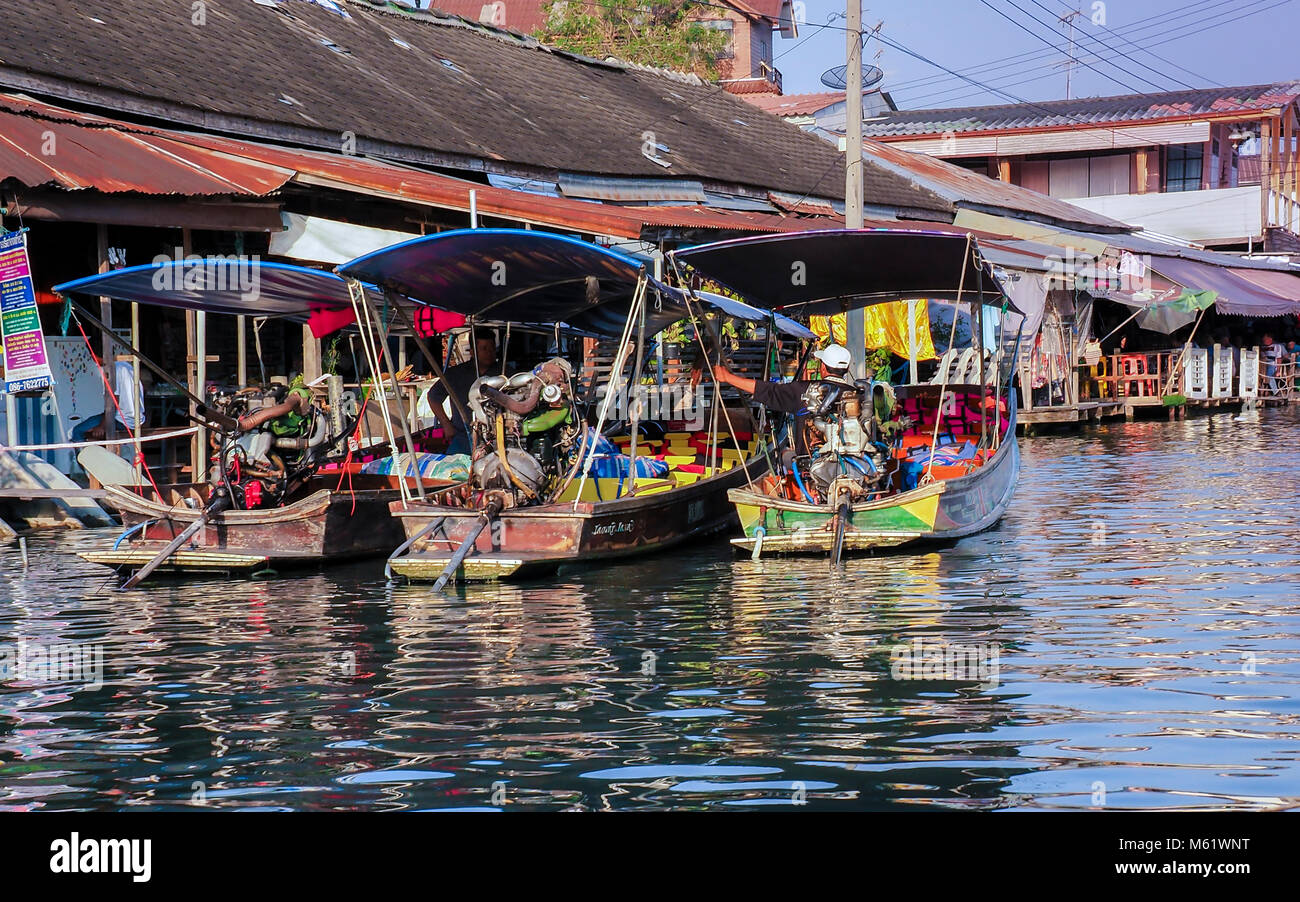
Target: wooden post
[1275, 172]
[241, 351]
[1265, 176]
[311, 366]
[137, 391]
[1288, 173]
[195, 348]
[1140, 162]
[106, 352]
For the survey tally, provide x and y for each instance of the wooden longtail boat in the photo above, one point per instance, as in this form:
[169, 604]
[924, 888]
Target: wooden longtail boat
[268, 503]
[325, 525]
[951, 507]
[524, 513]
[535, 541]
[882, 480]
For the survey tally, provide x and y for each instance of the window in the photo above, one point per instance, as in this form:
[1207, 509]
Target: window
[1183, 172]
[725, 25]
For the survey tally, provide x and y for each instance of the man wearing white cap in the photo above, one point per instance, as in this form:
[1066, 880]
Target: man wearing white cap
[788, 397]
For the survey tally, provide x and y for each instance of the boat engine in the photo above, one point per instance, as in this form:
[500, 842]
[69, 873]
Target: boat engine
[847, 421]
[284, 435]
[527, 432]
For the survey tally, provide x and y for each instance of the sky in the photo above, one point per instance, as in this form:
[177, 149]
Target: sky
[1170, 45]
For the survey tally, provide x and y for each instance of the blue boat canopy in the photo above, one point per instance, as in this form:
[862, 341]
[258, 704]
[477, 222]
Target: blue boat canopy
[513, 275]
[828, 272]
[741, 310]
[223, 285]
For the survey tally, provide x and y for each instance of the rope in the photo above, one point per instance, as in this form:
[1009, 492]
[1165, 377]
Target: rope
[139, 456]
[60, 446]
[366, 329]
[717, 389]
[952, 337]
[616, 374]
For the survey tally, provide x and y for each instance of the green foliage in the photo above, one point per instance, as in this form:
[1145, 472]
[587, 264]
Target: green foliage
[660, 33]
[878, 365]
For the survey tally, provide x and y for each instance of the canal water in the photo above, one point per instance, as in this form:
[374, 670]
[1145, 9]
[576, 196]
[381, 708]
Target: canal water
[1128, 637]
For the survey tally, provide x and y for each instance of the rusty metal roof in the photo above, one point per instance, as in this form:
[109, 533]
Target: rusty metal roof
[446, 192]
[1206, 103]
[42, 146]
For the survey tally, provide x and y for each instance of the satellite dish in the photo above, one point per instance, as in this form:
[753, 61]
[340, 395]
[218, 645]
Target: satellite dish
[837, 78]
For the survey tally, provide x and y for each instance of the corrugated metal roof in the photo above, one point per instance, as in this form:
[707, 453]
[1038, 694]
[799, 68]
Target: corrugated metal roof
[445, 192]
[41, 146]
[1196, 104]
[967, 188]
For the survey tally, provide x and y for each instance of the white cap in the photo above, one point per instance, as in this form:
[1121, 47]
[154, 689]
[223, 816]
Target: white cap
[836, 357]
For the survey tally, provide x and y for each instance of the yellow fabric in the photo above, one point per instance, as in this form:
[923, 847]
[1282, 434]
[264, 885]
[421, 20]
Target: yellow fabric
[886, 326]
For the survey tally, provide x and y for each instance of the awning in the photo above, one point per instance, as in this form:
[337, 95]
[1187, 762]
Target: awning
[740, 310]
[516, 275]
[828, 272]
[1237, 294]
[329, 241]
[240, 287]
[1279, 284]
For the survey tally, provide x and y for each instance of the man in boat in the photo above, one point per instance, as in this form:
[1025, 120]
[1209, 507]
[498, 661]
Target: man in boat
[460, 377]
[788, 397]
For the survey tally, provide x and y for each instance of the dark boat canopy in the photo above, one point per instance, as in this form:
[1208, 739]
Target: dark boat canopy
[514, 275]
[223, 285]
[827, 272]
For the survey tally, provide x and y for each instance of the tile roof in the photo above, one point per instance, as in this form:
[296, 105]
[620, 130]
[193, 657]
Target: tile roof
[1193, 104]
[796, 104]
[111, 156]
[410, 86]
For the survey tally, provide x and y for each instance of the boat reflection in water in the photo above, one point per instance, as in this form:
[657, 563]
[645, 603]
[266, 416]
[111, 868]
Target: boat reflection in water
[1156, 655]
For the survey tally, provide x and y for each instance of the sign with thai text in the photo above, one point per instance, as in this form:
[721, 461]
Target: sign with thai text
[27, 368]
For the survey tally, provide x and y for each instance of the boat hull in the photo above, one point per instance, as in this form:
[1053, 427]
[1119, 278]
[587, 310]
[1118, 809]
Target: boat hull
[535, 541]
[324, 526]
[942, 511]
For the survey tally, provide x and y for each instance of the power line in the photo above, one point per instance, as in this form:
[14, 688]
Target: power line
[1243, 12]
[1027, 30]
[1099, 41]
[1197, 11]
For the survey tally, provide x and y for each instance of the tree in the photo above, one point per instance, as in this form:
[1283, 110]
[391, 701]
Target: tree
[658, 33]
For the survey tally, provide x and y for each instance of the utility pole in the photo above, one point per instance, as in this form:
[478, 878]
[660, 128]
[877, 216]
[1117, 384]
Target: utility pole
[855, 332]
[1068, 18]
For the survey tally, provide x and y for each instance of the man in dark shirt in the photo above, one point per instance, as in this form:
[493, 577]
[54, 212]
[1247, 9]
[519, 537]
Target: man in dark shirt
[461, 377]
[787, 397]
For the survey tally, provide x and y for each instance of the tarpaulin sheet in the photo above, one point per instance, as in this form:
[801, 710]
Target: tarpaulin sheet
[1237, 294]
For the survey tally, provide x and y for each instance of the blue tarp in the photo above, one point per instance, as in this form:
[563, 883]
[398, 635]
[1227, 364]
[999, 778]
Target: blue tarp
[221, 285]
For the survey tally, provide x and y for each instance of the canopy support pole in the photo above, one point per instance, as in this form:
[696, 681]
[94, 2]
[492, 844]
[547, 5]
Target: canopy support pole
[634, 383]
[109, 420]
[430, 358]
[615, 376]
[397, 396]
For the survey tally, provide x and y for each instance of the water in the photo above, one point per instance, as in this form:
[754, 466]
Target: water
[1141, 596]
